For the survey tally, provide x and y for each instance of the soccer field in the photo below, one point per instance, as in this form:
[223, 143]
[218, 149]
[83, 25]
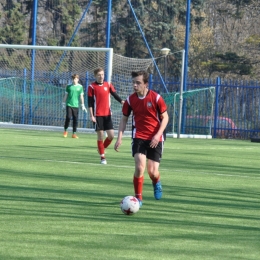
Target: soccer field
[58, 202]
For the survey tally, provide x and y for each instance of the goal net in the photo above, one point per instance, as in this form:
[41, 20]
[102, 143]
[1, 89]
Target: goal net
[196, 115]
[33, 81]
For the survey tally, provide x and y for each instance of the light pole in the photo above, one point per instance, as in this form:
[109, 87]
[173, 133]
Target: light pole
[165, 52]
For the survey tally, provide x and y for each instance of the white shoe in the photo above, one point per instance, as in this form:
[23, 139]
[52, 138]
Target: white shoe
[103, 161]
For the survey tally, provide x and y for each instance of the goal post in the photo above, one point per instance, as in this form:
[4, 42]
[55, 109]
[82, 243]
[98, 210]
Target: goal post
[35, 77]
[197, 116]
[52, 57]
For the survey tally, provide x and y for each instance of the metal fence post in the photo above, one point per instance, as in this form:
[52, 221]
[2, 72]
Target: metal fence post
[218, 82]
[85, 98]
[24, 96]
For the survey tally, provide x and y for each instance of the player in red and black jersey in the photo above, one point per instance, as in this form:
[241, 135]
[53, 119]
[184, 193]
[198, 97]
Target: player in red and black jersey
[100, 110]
[150, 119]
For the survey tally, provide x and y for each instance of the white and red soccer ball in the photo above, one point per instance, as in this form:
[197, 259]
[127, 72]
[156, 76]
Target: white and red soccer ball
[129, 205]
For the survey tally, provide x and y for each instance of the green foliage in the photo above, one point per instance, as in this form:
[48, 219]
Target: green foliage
[52, 41]
[254, 40]
[14, 59]
[160, 21]
[95, 31]
[13, 30]
[198, 4]
[70, 11]
[240, 3]
[230, 62]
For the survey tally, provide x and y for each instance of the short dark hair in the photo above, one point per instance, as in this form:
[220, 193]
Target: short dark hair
[75, 76]
[97, 70]
[143, 73]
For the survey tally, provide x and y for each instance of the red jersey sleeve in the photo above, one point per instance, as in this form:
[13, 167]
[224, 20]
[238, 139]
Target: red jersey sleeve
[162, 107]
[126, 109]
[90, 91]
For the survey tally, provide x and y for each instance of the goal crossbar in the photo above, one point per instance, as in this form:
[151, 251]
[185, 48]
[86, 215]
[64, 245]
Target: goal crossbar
[109, 51]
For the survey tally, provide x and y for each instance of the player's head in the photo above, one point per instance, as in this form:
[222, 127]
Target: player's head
[97, 70]
[75, 79]
[141, 73]
[99, 75]
[75, 76]
[140, 82]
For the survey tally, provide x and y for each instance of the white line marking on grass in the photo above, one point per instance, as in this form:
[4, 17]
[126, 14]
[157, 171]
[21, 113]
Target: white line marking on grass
[68, 162]
[112, 165]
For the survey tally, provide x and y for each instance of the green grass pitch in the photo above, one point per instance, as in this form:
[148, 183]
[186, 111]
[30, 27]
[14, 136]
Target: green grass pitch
[58, 202]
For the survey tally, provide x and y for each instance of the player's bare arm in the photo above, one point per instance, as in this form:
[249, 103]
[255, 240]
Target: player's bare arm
[121, 129]
[91, 115]
[164, 121]
[82, 99]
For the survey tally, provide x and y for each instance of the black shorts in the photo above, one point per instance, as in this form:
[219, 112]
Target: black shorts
[103, 123]
[143, 147]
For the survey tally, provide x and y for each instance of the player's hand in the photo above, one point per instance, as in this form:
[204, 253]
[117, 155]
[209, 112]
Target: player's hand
[117, 144]
[83, 108]
[154, 142]
[93, 119]
[122, 102]
[63, 106]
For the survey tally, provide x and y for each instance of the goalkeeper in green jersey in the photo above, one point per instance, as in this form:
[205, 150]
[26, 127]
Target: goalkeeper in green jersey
[74, 93]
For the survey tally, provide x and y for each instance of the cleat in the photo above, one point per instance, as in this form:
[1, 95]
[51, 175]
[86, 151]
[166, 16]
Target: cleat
[65, 134]
[140, 203]
[103, 161]
[157, 187]
[74, 136]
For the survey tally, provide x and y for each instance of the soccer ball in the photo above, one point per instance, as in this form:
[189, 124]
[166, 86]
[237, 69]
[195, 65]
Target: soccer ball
[129, 205]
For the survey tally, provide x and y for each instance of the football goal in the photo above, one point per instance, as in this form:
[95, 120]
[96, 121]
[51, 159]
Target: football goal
[196, 118]
[33, 81]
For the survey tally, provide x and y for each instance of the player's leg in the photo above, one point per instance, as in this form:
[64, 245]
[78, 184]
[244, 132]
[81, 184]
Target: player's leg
[108, 126]
[109, 138]
[100, 137]
[154, 174]
[67, 120]
[75, 116]
[100, 145]
[139, 154]
[138, 181]
[153, 170]
[154, 156]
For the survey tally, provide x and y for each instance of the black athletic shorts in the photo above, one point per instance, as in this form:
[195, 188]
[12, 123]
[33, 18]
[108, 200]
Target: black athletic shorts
[103, 123]
[143, 146]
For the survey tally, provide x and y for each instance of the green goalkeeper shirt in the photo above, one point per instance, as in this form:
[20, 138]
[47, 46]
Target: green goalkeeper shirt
[74, 92]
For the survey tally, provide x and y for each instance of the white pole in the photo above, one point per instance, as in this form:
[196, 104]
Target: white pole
[110, 65]
[58, 48]
[181, 97]
[173, 116]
